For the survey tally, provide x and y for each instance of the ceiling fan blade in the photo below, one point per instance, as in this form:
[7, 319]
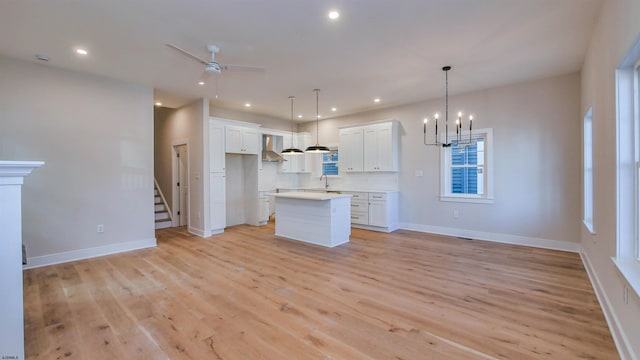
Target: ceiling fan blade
[245, 68]
[197, 58]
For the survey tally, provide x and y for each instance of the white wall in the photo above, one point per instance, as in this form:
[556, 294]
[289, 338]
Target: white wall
[537, 163]
[267, 122]
[96, 137]
[616, 30]
[185, 125]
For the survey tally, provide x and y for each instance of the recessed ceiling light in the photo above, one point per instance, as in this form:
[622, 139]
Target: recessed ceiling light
[247, 105]
[334, 14]
[200, 83]
[334, 109]
[299, 116]
[376, 100]
[158, 103]
[81, 51]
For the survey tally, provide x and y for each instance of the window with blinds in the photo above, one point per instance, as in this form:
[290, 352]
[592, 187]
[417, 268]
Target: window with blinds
[466, 169]
[330, 162]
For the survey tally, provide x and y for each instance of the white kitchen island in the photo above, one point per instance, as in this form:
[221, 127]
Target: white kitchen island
[317, 218]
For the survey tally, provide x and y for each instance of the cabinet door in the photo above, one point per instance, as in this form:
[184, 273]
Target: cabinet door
[233, 137]
[378, 213]
[351, 150]
[303, 164]
[250, 141]
[216, 147]
[289, 166]
[386, 150]
[217, 204]
[380, 151]
[371, 151]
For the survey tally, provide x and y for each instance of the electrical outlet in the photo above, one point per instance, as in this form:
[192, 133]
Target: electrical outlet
[100, 228]
[456, 214]
[419, 173]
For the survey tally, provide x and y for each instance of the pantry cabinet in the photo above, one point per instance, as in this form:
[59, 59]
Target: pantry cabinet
[216, 147]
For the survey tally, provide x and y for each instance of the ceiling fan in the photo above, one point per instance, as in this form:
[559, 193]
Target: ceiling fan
[213, 66]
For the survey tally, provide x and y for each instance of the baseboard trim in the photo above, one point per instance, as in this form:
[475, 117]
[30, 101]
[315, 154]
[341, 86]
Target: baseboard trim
[619, 337]
[57, 258]
[495, 237]
[199, 232]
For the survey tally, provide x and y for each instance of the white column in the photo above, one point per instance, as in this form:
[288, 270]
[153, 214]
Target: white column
[12, 174]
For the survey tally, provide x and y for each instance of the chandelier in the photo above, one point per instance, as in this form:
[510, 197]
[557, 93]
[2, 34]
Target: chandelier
[459, 138]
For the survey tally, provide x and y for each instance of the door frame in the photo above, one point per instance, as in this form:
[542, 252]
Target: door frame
[175, 195]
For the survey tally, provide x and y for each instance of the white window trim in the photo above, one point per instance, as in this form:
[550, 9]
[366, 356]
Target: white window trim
[627, 156]
[445, 170]
[588, 194]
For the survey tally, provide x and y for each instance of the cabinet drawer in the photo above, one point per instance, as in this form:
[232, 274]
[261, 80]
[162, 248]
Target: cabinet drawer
[358, 217]
[378, 196]
[358, 195]
[359, 205]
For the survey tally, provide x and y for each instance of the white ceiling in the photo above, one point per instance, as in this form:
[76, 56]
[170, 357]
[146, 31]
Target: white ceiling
[377, 48]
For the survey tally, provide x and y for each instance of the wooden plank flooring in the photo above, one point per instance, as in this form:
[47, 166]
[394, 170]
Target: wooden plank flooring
[246, 294]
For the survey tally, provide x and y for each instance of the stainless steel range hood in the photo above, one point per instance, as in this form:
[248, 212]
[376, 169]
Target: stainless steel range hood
[270, 145]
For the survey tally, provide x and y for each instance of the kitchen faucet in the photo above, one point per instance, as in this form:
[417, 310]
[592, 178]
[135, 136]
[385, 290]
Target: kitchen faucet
[326, 180]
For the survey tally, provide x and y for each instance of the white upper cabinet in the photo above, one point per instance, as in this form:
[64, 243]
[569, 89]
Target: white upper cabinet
[351, 149]
[370, 148]
[296, 163]
[381, 147]
[242, 140]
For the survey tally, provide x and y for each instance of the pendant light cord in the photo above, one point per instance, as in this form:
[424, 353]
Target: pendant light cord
[317, 117]
[292, 97]
[446, 105]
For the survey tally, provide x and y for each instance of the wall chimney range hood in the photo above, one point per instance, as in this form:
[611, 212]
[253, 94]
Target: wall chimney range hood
[269, 147]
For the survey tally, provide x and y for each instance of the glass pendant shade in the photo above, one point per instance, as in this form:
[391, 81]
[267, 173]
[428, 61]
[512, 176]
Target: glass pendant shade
[317, 148]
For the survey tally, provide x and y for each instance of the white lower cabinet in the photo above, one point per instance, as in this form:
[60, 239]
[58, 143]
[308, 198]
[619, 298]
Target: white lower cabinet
[378, 210]
[375, 210]
[360, 208]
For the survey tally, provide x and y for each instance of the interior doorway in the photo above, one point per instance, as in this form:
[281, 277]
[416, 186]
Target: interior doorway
[180, 185]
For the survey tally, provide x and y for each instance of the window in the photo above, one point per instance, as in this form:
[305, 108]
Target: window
[587, 163]
[466, 169]
[330, 162]
[628, 167]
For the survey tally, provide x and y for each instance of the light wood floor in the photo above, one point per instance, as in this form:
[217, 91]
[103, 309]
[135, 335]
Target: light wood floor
[246, 294]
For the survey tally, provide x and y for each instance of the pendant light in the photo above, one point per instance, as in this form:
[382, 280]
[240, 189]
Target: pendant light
[292, 150]
[317, 148]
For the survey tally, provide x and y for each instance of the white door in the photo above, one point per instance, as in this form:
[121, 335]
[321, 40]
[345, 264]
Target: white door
[182, 184]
